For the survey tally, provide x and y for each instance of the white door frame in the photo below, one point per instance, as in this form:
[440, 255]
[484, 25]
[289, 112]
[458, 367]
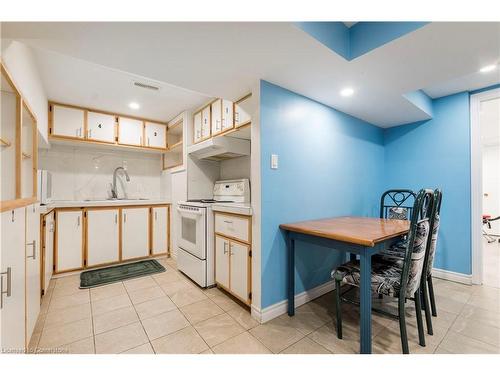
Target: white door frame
[477, 181]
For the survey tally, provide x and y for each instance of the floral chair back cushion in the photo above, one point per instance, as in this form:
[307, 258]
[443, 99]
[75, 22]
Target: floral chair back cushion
[400, 213]
[432, 248]
[417, 258]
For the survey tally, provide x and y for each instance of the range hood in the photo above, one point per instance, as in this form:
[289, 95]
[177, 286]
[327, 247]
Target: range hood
[220, 148]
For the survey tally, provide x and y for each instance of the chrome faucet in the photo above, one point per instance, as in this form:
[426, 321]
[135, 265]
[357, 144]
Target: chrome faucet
[114, 193]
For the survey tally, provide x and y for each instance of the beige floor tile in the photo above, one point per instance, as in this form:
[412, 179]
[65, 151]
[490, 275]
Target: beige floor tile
[164, 324]
[85, 346]
[176, 286]
[146, 294]
[440, 350]
[139, 283]
[450, 305]
[201, 310]
[244, 343]
[71, 314]
[44, 306]
[477, 330]
[120, 339]
[487, 317]
[107, 291]
[141, 349]
[67, 290]
[218, 329]
[65, 333]
[109, 304]
[276, 335]
[187, 297]
[486, 291]
[225, 302]
[243, 317]
[485, 303]
[306, 319]
[40, 322]
[326, 336]
[33, 344]
[213, 292]
[208, 351]
[154, 307]
[114, 319]
[305, 346]
[166, 277]
[460, 344]
[66, 285]
[62, 302]
[185, 341]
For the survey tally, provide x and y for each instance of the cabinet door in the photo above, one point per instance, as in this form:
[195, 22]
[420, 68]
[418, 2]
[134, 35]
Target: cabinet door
[159, 224]
[216, 117]
[67, 122]
[102, 237]
[227, 115]
[242, 112]
[197, 127]
[101, 127]
[135, 232]
[130, 131]
[49, 249]
[12, 274]
[32, 268]
[156, 135]
[222, 261]
[205, 123]
[239, 270]
[69, 240]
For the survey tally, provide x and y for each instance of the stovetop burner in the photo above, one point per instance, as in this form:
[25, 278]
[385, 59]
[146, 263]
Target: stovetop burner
[207, 201]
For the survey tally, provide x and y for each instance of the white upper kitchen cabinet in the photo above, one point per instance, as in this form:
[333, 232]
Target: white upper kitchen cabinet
[222, 261]
[197, 127]
[216, 117]
[205, 123]
[130, 131]
[227, 115]
[102, 236]
[239, 259]
[135, 232]
[159, 225]
[32, 268]
[101, 127]
[69, 240]
[242, 110]
[156, 135]
[67, 121]
[13, 273]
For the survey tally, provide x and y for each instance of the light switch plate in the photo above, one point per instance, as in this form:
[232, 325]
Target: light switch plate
[274, 161]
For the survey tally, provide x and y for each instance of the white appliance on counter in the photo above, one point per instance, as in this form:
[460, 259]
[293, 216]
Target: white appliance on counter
[195, 252]
[44, 186]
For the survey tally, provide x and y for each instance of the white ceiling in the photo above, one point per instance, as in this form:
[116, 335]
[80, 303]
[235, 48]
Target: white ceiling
[489, 120]
[226, 59]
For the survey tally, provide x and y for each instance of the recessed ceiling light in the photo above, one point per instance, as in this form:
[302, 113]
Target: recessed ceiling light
[347, 91]
[134, 105]
[488, 68]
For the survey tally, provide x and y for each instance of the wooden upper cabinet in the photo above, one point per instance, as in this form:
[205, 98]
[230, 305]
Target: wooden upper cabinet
[156, 135]
[197, 127]
[205, 123]
[29, 150]
[130, 131]
[67, 121]
[216, 119]
[242, 110]
[101, 127]
[227, 115]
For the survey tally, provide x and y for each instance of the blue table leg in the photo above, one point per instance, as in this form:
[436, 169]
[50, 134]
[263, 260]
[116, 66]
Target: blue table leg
[291, 275]
[365, 304]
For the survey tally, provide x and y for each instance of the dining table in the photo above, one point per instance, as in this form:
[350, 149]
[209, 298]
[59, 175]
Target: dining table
[358, 236]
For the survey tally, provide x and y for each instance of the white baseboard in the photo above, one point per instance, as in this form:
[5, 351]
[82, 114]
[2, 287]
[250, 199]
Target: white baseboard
[279, 308]
[461, 278]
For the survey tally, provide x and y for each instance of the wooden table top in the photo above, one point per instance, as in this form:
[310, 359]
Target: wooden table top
[365, 231]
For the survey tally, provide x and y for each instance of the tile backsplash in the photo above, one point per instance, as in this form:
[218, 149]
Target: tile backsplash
[80, 173]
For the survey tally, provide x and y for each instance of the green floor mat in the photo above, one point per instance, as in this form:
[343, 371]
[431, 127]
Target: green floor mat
[108, 275]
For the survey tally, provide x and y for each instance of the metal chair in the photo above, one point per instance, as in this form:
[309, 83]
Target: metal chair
[399, 277]
[397, 204]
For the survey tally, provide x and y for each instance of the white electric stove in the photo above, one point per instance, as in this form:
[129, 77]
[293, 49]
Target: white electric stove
[195, 252]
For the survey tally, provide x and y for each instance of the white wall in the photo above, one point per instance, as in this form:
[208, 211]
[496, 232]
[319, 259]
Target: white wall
[85, 173]
[19, 60]
[491, 184]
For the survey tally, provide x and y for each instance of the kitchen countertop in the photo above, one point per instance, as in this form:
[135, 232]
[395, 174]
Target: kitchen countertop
[101, 203]
[234, 208]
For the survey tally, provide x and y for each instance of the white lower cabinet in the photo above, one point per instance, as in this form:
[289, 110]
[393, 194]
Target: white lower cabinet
[102, 236]
[135, 232]
[49, 224]
[159, 226]
[32, 268]
[69, 240]
[232, 267]
[13, 279]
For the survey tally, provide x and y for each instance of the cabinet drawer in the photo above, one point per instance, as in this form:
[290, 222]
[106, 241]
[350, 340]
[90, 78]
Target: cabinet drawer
[232, 226]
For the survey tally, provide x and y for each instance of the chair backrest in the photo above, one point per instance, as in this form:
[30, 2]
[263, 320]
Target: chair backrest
[432, 240]
[414, 261]
[397, 204]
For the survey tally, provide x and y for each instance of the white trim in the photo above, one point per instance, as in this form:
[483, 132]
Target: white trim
[456, 277]
[281, 307]
[476, 182]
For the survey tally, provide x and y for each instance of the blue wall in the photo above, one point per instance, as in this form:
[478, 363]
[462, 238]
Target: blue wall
[436, 153]
[330, 164]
